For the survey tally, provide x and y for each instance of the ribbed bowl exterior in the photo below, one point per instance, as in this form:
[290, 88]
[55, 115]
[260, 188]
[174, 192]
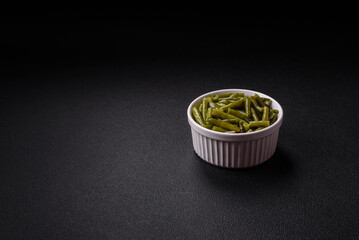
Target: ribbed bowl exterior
[235, 150]
[228, 154]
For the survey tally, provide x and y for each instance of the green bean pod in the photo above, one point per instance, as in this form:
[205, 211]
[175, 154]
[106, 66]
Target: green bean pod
[241, 127]
[213, 105]
[197, 116]
[256, 124]
[238, 114]
[271, 115]
[259, 100]
[265, 116]
[225, 101]
[229, 99]
[209, 114]
[218, 129]
[220, 114]
[268, 102]
[274, 119]
[236, 104]
[256, 106]
[260, 128]
[274, 111]
[229, 120]
[223, 95]
[204, 108]
[221, 104]
[215, 97]
[248, 107]
[224, 125]
[254, 114]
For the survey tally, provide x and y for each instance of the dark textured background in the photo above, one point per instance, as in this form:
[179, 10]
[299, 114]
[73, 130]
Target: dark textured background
[95, 143]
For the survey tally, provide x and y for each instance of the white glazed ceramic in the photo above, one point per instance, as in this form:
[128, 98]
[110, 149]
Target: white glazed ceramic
[234, 150]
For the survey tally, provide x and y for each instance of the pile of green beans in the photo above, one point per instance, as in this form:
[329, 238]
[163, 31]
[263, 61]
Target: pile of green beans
[235, 113]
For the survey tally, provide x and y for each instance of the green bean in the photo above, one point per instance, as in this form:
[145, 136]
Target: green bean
[260, 128]
[265, 116]
[274, 110]
[238, 120]
[221, 104]
[236, 104]
[259, 100]
[241, 127]
[268, 102]
[225, 101]
[246, 126]
[213, 105]
[250, 130]
[255, 105]
[218, 129]
[256, 124]
[220, 114]
[234, 95]
[229, 99]
[224, 125]
[274, 119]
[215, 97]
[222, 99]
[238, 114]
[209, 114]
[233, 121]
[248, 107]
[271, 115]
[223, 95]
[200, 108]
[254, 114]
[223, 115]
[197, 116]
[204, 108]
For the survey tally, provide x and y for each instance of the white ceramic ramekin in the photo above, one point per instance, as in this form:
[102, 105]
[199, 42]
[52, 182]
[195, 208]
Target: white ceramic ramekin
[234, 150]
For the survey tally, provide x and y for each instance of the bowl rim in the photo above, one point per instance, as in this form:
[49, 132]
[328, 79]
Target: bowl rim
[235, 136]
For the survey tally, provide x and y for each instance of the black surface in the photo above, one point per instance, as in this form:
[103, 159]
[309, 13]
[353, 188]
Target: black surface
[95, 142]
